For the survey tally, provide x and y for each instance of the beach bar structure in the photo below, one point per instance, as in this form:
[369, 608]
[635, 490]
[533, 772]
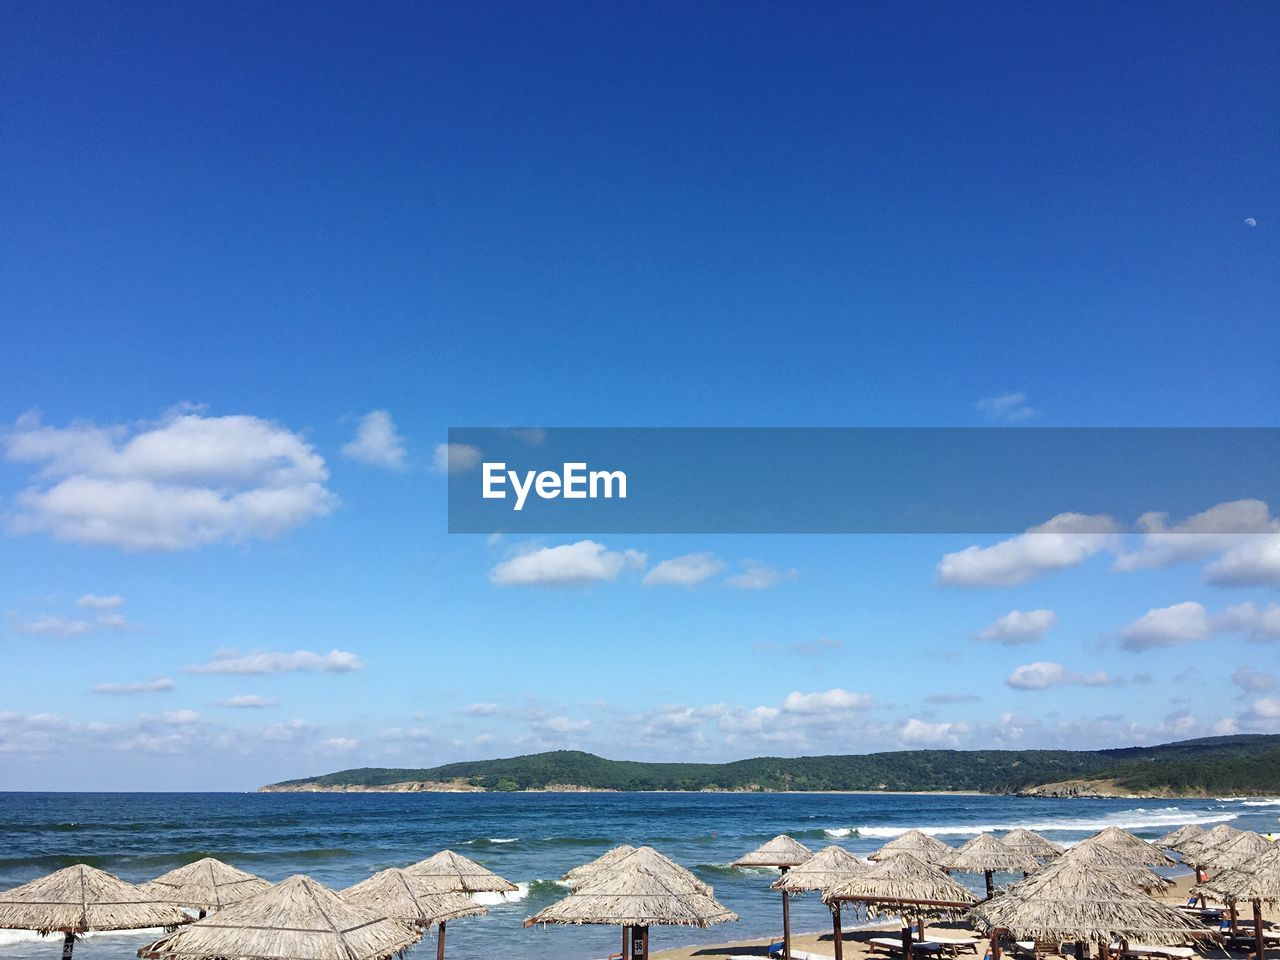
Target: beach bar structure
[783, 852]
[297, 919]
[449, 872]
[635, 899]
[829, 867]
[82, 899]
[904, 885]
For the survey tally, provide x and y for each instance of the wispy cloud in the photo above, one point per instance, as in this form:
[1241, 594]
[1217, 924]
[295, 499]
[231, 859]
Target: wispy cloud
[571, 564]
[758, 576]
[1007, 408]
[686, 571]
[1019, 627]
[377, 442]
[268, 662]
[158, 685]
[248, 701]
[1043, 674]
[92, 601]
[455, 458]
[1064, 541]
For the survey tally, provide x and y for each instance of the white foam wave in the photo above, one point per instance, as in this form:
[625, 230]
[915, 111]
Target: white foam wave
[1273, 802]
[510, 896]
[494, 840]
[10, 937]
[838, 831]
[1135, 819]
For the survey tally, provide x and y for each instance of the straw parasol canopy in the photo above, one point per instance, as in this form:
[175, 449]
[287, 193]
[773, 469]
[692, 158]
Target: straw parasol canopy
[826, 868]
[781, 851]
[1174, 839]
[298, 919]
[635, 897]
[915, 842]
[904, 880]
[985, 854]
[451, 872]
[206, 884]
[1032, 843]
[1134, 849]
[606, 859]
[402, 896]
[1238, 852]
[650, 860]
[1197, 846]
[1071, 900]
[1118, 865]
[80, 899]
[1260, 880]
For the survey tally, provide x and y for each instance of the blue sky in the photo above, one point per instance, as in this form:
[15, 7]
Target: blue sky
[704, 214]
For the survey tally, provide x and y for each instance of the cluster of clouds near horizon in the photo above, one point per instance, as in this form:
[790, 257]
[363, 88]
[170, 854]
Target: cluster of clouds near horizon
[189, 480]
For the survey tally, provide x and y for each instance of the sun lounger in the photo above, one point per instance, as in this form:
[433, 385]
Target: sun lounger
[1150, 950]
[893, 945]
[953, 945]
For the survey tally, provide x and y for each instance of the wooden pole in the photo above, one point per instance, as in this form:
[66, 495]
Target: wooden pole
[1259, 939]
[440, 943]
[906, 938]
[626, 943]
[68, 944]
[786, 922]
[995, 944]
[639, 943]
[836, 932]
[1234, 917]
[991, 883]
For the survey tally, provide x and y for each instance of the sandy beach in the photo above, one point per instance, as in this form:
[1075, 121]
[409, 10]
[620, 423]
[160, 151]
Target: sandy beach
[856, 945]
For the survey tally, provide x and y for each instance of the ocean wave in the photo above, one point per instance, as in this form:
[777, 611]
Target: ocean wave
[497, 899]
[1272, 802]
[1136, 819]
[554, 888]
[12, 937]
[729, 870]
[839, 833]
[491, 841]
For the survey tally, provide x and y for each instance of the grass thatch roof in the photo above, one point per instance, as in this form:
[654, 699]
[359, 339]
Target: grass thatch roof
[781, 851]
[80, 899]
[985, 852]
[901, 880]
[915, 842]
[402, 896]
[1259, 880]
[451, 872]
[1197, 846]
[1174, 839]
[206, 884]
[1132, 848]
[651, 861]
[1118, 865]
[1072, 900]
[631, 896]
[606, 859]
[1238, 852]
[826, 868]
[297, 919]
[1032, 843]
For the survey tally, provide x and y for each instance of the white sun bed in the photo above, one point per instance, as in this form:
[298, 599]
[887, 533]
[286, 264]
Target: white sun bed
[894, 945]
[1154, 950]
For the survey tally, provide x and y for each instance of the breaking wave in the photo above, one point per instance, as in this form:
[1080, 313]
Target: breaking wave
[1136, 819]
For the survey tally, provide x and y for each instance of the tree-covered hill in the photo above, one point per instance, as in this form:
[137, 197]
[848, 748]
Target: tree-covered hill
[1238, 765]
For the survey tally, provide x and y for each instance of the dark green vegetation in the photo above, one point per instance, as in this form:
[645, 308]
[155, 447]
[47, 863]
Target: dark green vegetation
[1215, 765]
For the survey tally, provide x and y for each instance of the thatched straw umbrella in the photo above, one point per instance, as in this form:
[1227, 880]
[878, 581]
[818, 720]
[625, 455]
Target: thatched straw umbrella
[1032, 843]
[1072, 900]
[449, 872]
[1119, 866]
[205, 885]
[905, 885]
[606, 859]
[297, 919]
[915, 842]
[635, 899]
[1197, 845]
[647, 858]
[1174, 839]
[783, 852]
[1258, 882]
[82, 899]
[1135, 849]
[828, 867]
[985, 854]
[1237, 855]
[402, 896]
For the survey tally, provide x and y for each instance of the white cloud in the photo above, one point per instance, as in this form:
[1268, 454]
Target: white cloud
[93, 602]
[1253, 681]
[1064, 541]
[1007, 407]
[828, 701]
[480, 710]
[183, 482]
[1257, 623]
[686, 571]
[377, 442]
[1225, 526]
[563, 725]
[52, 625]
[180, 718]
[455, 458]
[1167, 626]
[1043, 674]
[248, 701]
[920, 733]
[158, 685]
[264, 662]
[570, 564]
[1253, 562]
[757, 576]
[1019, 627]
[338, 744]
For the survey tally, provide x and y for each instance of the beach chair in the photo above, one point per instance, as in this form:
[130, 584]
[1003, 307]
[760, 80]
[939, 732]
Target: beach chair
[952, 946]
[893, 946]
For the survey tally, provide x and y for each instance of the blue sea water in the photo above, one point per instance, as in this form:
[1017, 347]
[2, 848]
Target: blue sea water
[531, 839]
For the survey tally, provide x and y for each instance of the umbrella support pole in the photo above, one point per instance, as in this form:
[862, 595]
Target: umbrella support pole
[995, 944]
[906, 938]
[786, 921]
[68, 944]
[639, 943]
[1234, 918]
[1260, 940]
[836, 932]
[626, 942]
[991, 883]
[440, 943]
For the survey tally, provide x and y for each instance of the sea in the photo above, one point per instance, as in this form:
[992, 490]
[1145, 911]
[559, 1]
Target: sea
[531, 839]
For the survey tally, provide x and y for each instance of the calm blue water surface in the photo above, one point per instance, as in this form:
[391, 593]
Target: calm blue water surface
[531, 839]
